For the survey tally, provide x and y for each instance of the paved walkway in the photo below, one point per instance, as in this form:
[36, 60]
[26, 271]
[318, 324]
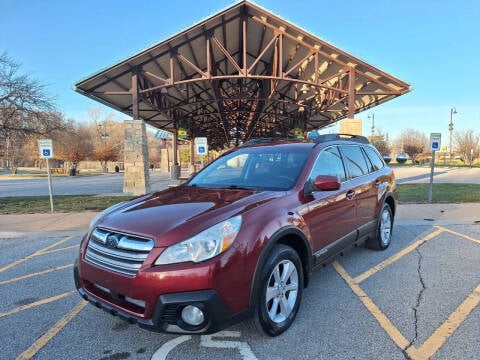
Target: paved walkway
[415, 214]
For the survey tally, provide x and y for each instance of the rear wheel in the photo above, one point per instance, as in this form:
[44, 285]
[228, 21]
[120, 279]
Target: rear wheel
[279, 291]
[384, 230]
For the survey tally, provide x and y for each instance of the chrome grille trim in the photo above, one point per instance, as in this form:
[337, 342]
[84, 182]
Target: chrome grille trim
[118, 252]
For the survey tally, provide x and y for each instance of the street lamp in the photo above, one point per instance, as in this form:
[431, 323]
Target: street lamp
[102, 130]
[450, 128]
[372, 116]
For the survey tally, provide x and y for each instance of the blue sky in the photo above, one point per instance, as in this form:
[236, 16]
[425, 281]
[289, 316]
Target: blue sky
[432, 45]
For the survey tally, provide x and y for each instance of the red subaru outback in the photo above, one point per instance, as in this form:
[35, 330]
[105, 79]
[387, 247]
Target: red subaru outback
[241, 238]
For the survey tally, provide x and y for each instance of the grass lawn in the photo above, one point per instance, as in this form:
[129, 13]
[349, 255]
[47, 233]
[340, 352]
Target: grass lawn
[407, 193]
[63, 203]
[441, 193]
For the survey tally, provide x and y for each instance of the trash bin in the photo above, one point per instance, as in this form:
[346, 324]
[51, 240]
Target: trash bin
[117, 169]
[72, 171]
[175, 172]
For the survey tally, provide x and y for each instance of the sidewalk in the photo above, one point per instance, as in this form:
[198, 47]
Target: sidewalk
[414, 214]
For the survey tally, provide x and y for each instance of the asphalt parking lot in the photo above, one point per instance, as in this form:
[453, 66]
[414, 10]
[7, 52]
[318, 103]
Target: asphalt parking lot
[416, 300]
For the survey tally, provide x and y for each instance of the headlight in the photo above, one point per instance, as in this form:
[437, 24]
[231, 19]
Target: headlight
[204, 245]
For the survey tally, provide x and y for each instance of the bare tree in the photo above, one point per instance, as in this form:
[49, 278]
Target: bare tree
[380, 141]
[105, 152]
[467, 143]
[74, 145]
[26, 110]
[413, 142]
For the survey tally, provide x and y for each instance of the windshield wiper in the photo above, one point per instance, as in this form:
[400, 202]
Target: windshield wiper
[238, 187]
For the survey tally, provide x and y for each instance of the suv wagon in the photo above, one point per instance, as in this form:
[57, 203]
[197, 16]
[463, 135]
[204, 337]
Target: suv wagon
[240, 238]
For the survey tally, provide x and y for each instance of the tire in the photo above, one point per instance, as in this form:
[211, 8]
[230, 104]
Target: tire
[279, 291]
[383, 235]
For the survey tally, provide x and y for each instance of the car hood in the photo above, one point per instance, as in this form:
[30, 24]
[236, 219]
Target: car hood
[177, 213]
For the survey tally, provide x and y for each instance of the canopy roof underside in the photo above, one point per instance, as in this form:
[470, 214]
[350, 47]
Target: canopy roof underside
[241, 74]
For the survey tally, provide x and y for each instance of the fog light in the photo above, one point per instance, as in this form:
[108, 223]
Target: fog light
[192, 315]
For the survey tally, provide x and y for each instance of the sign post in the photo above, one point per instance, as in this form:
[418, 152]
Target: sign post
[201, 147]
[435, 144]
[46, 152]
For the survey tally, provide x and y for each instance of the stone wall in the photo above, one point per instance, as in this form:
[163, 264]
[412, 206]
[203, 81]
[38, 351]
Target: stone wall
[137, 178]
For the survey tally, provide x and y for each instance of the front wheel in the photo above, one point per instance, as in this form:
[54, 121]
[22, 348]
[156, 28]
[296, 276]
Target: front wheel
[279, 292]
[383, 236]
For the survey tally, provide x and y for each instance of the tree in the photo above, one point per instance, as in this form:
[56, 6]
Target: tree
[26, 111]
[467, 143]
[105, 152]
[380, 141]
[75, 144]
[109, 137]
[413, 142]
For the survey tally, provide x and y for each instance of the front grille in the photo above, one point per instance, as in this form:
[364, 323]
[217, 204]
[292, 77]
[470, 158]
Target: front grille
[118, 252]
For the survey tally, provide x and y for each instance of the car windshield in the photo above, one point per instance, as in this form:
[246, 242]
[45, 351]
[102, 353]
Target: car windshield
[257, 168]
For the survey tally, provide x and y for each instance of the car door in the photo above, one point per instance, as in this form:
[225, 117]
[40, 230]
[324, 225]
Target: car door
[330, 215]
[363, 183]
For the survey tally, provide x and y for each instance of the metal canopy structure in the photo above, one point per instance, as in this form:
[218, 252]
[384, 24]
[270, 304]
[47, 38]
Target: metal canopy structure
[240, 74]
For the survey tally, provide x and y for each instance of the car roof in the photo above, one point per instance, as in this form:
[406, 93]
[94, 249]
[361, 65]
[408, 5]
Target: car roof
[310, 142]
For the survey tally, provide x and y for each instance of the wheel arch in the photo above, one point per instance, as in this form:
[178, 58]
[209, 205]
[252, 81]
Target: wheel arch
[290, 236]
[390, 200]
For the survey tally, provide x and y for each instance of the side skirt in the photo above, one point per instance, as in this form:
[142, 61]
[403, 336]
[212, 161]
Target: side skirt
[355, 238]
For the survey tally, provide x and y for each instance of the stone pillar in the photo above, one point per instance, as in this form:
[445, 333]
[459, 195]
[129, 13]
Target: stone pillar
[137, 177]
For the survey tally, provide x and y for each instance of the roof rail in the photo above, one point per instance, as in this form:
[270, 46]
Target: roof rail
[267, 140]
[345, 137]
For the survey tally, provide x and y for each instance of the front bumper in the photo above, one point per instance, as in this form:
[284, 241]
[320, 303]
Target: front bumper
[167, 313]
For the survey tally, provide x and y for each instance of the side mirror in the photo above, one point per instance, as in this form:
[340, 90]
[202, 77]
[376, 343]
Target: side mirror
[326, 183]
[322, 183]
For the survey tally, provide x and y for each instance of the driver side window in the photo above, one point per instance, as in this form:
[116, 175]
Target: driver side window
[329, 162]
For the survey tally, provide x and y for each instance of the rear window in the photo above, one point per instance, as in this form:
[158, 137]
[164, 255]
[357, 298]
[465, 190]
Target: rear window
[375, 158]
[354, 160]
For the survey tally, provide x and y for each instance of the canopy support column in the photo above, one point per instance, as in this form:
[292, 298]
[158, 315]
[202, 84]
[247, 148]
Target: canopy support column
[351, 93]
[175, 170]
[136, 179]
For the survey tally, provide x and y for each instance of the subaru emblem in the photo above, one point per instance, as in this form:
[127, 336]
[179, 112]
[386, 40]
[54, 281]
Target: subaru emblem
[112, 241]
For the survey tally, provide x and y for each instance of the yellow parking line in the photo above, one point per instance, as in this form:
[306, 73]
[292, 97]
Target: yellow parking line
[45, 338]
[37, 303]
[36, 253]
[459, 234]
[36, 274]
[61, 249]
[438, 338]
[397, 256]
[383, 320]
[442, 333]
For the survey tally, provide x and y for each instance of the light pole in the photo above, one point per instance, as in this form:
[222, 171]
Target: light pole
[372, 116]
[450, 128]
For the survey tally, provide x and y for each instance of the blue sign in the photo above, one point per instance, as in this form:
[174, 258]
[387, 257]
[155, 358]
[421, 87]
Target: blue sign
[201, 150]
[46, 152]
[435, 141]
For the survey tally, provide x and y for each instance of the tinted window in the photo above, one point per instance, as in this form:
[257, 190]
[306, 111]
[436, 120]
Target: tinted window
[355, 162]
[329, 162]
[375, 158]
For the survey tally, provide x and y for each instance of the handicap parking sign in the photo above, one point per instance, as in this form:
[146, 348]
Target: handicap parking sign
[435, 141]
[46, 148]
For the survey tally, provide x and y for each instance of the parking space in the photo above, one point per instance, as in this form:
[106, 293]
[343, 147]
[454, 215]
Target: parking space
[416, 300]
